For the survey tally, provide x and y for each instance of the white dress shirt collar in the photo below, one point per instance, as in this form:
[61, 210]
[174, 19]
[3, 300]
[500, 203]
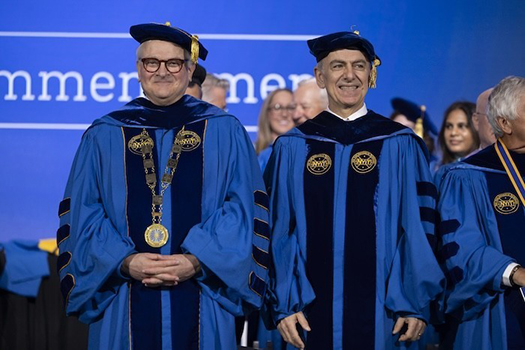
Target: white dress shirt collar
[357, 114]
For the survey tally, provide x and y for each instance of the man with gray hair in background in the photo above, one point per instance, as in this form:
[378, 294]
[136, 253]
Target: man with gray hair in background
[481, 122]
[310, 100]
[214, 90]
[482, 209]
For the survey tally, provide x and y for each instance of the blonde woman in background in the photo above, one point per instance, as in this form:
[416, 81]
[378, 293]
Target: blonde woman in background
[275, 119]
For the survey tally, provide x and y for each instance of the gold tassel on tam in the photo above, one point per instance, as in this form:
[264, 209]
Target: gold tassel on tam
[194, 48]
[373, 74]
[418, 129]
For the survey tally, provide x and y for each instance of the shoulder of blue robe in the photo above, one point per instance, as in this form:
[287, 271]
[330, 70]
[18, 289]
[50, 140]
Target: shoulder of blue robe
[484, 160]
[92, 245]
[406, 216]
[471, 251]
[143, 113]
[232, 241]
[264, 156]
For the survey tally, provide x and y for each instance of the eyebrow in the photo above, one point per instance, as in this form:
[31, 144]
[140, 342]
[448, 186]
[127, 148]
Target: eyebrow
[345, 62]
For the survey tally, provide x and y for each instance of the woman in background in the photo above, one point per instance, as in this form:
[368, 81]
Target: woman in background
[457, 137]
[275, 119]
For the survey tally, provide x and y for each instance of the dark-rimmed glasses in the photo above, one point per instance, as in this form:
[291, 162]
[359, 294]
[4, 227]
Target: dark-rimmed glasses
[152, 65]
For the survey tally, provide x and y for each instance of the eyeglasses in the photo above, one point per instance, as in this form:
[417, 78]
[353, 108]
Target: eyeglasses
[173, 65]
[477, 113]
[280, 108]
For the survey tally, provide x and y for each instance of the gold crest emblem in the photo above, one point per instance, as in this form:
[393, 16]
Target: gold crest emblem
[137, 142]
[506, 203]
[363, 162]
[319, 164]
[188, 140]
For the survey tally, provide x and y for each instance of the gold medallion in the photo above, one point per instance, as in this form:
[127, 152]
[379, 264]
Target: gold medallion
[506, 203]
[319, 164]
[188, 140]
[363, 162]
[156, 235]
[136, 143]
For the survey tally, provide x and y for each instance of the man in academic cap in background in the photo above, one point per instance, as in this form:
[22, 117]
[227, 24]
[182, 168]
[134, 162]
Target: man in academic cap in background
[195, 86]
[352, 215]
[163, 228]
[416, 118]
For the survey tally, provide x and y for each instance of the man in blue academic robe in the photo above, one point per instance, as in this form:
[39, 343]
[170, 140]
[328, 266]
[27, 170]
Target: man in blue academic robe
[483, 216]
[163, 232]
[352, 216]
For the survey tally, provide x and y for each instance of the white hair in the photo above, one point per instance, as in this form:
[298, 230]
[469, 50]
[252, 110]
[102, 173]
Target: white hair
[213, 81]
[504, 101]
[323, 95]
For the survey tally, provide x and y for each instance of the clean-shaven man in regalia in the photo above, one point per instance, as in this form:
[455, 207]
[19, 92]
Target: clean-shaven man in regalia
[483, 215]
[352, 213]
[163, 228]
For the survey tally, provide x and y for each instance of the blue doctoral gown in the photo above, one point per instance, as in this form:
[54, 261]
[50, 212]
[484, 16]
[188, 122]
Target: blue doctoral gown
[481, 232]
[352, 214]
[215, 208]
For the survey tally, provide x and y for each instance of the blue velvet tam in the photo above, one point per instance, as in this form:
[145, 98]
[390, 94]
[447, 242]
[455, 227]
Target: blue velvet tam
[165, 32]
[413, 112]
[320, 47]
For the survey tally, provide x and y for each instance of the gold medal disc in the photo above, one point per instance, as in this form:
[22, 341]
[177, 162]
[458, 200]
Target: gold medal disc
[156, 235]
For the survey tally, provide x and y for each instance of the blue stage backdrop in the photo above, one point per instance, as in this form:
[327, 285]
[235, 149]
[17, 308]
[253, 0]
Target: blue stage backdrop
[64, 63]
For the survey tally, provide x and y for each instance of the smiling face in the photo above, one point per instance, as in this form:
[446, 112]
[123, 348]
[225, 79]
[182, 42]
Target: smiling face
[458, 135]
[162, 87]
[280, 113]
[344, 74]
[308, 101]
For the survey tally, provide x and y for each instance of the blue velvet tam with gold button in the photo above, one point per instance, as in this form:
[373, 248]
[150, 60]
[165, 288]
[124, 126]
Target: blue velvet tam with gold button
[320, 47]
[165, 32]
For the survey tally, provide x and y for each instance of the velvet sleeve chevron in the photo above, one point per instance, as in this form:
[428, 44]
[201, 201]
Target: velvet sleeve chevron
[471, 251]
[91, 250]
[289, 288]
[415, 282]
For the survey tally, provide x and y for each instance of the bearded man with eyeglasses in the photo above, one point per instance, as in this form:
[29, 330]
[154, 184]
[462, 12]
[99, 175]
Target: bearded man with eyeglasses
[163, 228]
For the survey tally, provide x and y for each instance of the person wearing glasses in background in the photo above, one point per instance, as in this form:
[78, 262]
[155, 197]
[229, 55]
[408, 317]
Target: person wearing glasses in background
[275, 119]
[163, 227]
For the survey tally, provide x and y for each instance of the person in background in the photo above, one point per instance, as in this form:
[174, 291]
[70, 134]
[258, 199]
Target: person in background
[310, 100]
[481, 122]
[275, 119]
[482, 212]
[457, 137]
[407, 113]
[195, 86]
[214, 90]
